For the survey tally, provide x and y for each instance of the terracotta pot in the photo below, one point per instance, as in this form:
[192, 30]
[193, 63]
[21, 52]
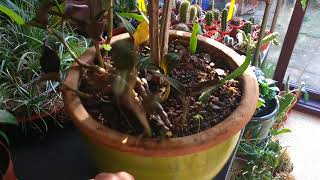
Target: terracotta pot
[9, 173]
[119, 30]
[198, 157]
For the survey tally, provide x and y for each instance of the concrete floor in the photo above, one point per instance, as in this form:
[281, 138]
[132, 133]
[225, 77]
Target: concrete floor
[303, 145]
[305, 61]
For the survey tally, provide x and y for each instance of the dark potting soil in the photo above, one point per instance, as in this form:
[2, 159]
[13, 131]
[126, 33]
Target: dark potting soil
[187, 115]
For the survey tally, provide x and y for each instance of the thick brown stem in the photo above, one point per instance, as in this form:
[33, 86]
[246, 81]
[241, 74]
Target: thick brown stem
[165, 26]
[98, 54]
[110, 21]
[153, 11]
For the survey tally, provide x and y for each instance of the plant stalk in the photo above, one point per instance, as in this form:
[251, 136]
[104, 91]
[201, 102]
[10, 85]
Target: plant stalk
[153, 11]
[165, 26]
[110, 21]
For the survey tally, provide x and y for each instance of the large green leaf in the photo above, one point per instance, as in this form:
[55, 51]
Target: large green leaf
[193, 39]
[14, 16]
[204, 97]
[135, 16]
[7, 118]
[127, 25]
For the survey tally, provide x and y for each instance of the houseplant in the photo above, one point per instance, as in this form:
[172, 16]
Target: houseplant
[155, 146]
[20, 51]
[6, 165]
[259, 127]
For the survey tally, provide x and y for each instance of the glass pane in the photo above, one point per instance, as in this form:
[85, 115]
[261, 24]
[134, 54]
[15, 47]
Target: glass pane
[281, 27]
[304, 65]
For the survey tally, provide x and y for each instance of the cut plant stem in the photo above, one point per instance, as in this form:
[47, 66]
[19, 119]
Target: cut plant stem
[110, 21]
[165, 26]
[153, 11]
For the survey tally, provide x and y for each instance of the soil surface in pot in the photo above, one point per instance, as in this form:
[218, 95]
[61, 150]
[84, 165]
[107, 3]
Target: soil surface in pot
[187, 115]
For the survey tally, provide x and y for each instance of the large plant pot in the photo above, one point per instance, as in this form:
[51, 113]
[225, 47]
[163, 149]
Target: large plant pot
[259, 127]
[8, 171]
[198, 157]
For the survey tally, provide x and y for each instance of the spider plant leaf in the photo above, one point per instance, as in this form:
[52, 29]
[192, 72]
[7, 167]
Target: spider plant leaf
[7, 118]
[193, 39]
[135, 16]
[204, 97]
[13, 15]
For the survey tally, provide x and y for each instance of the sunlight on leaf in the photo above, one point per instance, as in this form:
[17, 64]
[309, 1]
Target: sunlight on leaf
[135, 16]
[193, 39]
[141, 35]
[107, 47]
[14, 16]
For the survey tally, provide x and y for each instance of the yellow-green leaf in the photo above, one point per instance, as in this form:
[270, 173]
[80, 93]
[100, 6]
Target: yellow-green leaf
[141, 35]
[14, 16]
[107, 47]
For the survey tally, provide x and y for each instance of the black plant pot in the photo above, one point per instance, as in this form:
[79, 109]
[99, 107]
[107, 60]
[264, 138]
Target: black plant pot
[258, 129]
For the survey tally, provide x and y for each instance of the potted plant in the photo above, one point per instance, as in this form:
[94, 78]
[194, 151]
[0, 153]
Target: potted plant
[155, 118]
[6, 165]
[20, 53]
[258, 129]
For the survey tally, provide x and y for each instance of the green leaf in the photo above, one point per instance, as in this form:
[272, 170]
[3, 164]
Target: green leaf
[127, 25]
[276, 132]
[107, 47]
[193, 39]
[284, 103]
[7, 118]
[204, 97]
[4, 136]
[261, 103]
[306, 96]
[14, 16]
[135, 16]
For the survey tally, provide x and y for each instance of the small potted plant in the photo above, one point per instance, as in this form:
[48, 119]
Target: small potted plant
[258, 129]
